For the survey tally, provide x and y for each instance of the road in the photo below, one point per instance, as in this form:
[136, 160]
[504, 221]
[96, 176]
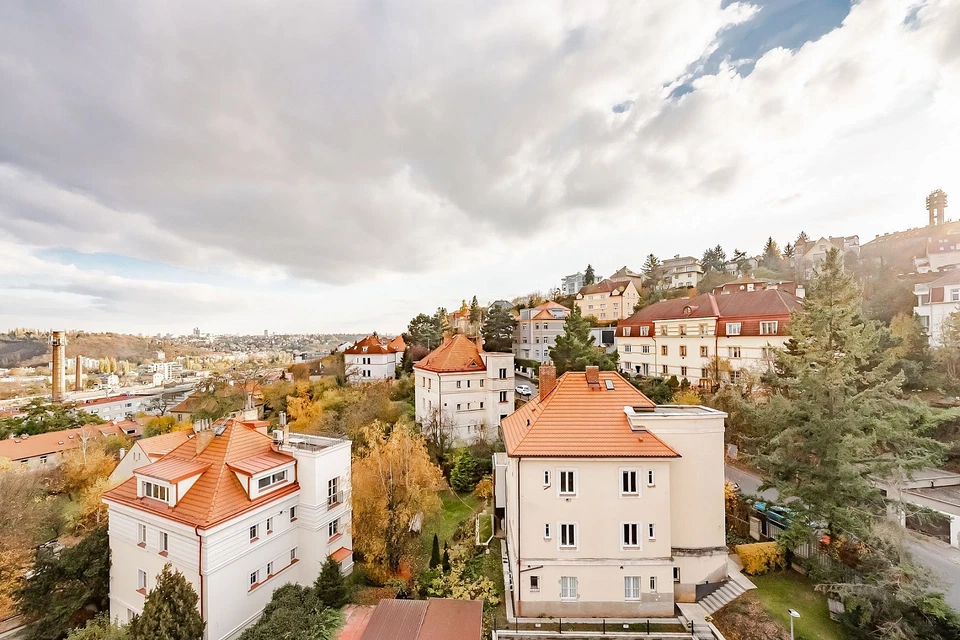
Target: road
[521, 379]
[942, 559]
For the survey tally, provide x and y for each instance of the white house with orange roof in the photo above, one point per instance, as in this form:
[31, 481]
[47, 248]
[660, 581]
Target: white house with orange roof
[147, 451]
[464, 390]
[537, 331]
[374, 358]
[612, 506]
[44, 449]
[238, 513]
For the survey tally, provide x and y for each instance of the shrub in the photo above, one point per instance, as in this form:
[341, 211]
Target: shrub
[464, 475]
[761, 557]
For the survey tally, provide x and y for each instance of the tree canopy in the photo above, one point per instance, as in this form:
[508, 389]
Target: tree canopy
[425, 330]
[652, 272]
[295, 612]
[169, 611]
[589, 276]
[498, 329]
[42, 416]
[714, 259]
[575, 350]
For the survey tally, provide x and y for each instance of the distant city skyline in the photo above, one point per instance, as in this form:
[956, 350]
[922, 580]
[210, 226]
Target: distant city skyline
[168, 167]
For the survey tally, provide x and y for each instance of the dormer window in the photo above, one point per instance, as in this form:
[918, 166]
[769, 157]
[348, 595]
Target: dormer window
[154, 490]
[272, 479]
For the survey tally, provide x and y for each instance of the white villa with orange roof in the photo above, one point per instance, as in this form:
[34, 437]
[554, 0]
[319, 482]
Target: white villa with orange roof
[464, 390]
[238, 513]
[612, 506]
[373, 359]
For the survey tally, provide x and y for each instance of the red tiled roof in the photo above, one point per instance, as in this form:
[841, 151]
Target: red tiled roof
[217, 495]
[173, 469]
[98, 401]
[163, 444]
[397, 344]
[458, 353]
[582, 421]
[341, 554]
[59, 441]
[370, 344]
[769, 303]
[263, 462]
[433, 619]
[951, 278]
[605, 286]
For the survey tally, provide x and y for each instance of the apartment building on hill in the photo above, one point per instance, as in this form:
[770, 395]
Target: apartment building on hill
[373, 359]
[608, 301]
[537, 331]
[936, 302]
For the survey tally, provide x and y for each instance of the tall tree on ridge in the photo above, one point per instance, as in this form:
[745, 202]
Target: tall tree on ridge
[589, 277]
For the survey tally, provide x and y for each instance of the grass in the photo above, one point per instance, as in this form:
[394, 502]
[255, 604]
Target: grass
[779, 591]
[486, 525]
[454, 510]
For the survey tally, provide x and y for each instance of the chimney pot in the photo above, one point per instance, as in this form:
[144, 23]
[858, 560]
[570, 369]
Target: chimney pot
[593, 375]
[548, 379]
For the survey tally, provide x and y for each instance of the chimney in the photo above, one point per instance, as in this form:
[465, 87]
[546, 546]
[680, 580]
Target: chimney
[78, 383]
[204, 434]
[593, 376]
[58, 342]
[548, 379]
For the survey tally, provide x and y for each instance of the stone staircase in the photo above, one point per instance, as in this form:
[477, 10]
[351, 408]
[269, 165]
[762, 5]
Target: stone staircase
[731, 590]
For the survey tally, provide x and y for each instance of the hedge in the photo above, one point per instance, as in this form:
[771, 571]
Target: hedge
[761, 557]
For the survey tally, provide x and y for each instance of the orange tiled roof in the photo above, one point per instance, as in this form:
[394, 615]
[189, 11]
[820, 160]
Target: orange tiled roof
[256, 464]
[458, 353]
[578, 420]
[397, 344]
[217, 495]
[173, 469]
[341, 554]
[18, 448]
[163, 444]
[605, 286]
[370, 344]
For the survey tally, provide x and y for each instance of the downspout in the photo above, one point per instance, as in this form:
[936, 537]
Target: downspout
[196, 530]
[516, 581]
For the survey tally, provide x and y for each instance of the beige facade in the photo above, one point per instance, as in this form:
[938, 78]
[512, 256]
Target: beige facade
[608, 301]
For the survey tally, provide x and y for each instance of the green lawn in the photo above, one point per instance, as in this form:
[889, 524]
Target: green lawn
[455, 509]
[783, 590]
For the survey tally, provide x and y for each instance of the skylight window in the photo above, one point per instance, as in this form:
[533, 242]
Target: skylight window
[609, 384]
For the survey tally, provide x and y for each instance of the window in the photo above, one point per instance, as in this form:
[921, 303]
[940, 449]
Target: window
[153, 490]
[628, 482]
[270, 480]
[568, 587]
[546, 478]
[664, 350]
[651, 531]
[254, 578]
[733, 352]
[458, 384]
[676, 574]
[733, 328]
[141, 580]
[663, 330]
[704, 329]
[254, 532]
[683, 329]
[142, 534]
[333, 492]
[293, 513]
[164, 542]
[481, 404]
[568, 483]
[293, 554]
[769, 328]
[653, 584]
[683, 372]
[651, 478]
[503, 396]
[645, 348]
[644, 331]
[534, 583]
[503, 374]
[955, 295]
[626, 332]
[630, 534]
[631, 587]
[269, 569]
[626, 348]
[481, 383]
[568, 535]
[458, 406]
[704, 352]
[683, 351]
[546, 531]
[663, 369]
[333, 528]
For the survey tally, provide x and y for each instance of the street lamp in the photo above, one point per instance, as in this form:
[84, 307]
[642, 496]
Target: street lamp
[793, 614]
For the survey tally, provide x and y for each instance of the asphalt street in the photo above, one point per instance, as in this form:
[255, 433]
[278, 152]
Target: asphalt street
[942, 559]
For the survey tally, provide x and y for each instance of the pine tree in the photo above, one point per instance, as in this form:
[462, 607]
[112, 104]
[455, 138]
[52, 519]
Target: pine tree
[589, 277]
[170, 611]
[652, 271]
[435, 552]
[330, 587]
[575, 351]
[498, 329]
[771, 254]
[474, 311]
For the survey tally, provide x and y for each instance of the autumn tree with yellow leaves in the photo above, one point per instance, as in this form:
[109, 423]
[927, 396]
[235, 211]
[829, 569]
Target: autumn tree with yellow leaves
[394, 489]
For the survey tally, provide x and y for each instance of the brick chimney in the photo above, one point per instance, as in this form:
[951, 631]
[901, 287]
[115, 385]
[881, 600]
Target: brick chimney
[548, 379]
[593, 376]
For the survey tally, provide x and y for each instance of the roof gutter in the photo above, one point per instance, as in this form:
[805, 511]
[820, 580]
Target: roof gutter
[196, 530]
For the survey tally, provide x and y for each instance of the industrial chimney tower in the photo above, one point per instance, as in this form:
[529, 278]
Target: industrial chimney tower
[78, 379]
[59, 343]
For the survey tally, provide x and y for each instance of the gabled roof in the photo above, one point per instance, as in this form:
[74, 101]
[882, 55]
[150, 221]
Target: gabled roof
[369, 345]
[18, 448]
[458, 353]
[163, 444]
[217, 495]
[258, 464]
[773, 303]
[397, 344]
[606, 286]
[579, 420]
[944, 281]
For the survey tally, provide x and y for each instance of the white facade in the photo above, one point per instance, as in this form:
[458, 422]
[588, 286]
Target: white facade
[469, 403]
[572, 283]
[537, 331]
[372, 367]
[936, 302]
[234, 566]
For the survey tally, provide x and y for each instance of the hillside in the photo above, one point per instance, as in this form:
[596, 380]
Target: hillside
[16, 351]
[33, 350]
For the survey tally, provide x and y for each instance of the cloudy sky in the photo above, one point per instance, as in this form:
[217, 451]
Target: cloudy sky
[342, 166]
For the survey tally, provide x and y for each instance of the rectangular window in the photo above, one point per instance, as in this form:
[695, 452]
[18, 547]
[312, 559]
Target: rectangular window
[630, 534]
[626, 332]
[626, 348]
[503, 374]
[293, 554]
[254, 532]
[704, 373]
[458, 384]
[546, 531]
[645, 331]
[333, 492]
[503, 396]
[141, 579]
[142, 534]
[333, 528]
[568, 483]
[683, 372]
[254, 577]
[568, 587]
[651, 531]
[269, 569]
[458, 406]
[645, 348]
[651, 478]
[628, 482]
[534, 583]
[546, 478]
[631, 587]
[769, 328]
[164, 542]
[663, 369]
[676, 574]
[664, 350]
[568, 535]
[733, 352]
[704, 352]
[703, 329]
[481, 404]
[270, 480]
[955, 295]
[733, 328]
[481, 383]
[683, 351]
[653, 584]
[293, 513]
[683, 329]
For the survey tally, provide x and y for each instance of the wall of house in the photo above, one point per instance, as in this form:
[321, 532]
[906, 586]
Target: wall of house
[461, 405]
[133, 459]
[371, 367]
[934, 314]
[604, 306]
[533, 339]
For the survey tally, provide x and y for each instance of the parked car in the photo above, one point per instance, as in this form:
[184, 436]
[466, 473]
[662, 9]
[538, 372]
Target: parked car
[524, 390]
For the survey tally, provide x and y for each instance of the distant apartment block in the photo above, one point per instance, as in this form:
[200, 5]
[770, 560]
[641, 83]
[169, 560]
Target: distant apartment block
[682, 272]
[571, 284]
[608, 301]
[537, 331]
[936, 302]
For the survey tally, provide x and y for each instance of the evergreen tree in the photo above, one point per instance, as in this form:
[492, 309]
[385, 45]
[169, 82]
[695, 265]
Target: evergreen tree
[435, 552]
[475, 312]
[838, 422]
[908, 350]
[169, 611]
[742, 261]
[425, 330]
[99, 628]
[295, 612]
[441, 320]
[653, 272]
[575, 351]
[589, 277]
[330, 587]
[465, 474]
[445, 560]
[498, 330]
[771, 255]
[714, 259]
[788, 251]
